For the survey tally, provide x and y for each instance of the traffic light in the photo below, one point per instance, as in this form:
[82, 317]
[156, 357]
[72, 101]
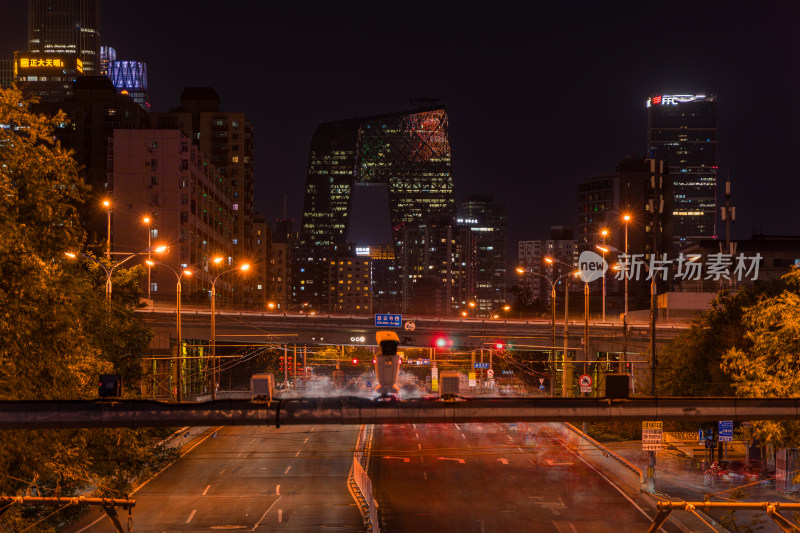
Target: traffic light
[499, 345]
[355, 361]
[442, 341]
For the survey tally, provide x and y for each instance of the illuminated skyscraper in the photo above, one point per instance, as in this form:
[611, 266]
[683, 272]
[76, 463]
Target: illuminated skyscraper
[407, 153]
[66, 27]
[130, 77]
[682, 131]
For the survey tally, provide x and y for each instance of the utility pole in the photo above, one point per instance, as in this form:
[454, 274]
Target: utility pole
[566, 373]
[656, 205]
[729, 216]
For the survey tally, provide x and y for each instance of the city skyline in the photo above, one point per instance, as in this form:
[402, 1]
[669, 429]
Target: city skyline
[518, 107]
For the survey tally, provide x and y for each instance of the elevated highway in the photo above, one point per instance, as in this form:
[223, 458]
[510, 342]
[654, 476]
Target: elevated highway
[255, 327]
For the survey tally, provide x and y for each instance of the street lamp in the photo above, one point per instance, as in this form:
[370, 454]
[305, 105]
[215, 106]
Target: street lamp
[567, 373]
[109, 271]
[244, 267]
[107, 205]
[627, 218]
[604, 234]
[553, 284]
[146, 220]
[178, 276]
[504, 308]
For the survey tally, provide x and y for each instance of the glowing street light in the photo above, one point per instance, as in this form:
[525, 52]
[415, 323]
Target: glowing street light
[107, 205]
[243, 268]
[178, 276]
[110, 271]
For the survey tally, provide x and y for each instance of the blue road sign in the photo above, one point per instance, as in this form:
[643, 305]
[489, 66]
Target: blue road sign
[725, 430]
[388, 321]
[369, 384]
[426, 361]
[482, 365]
[541, 387]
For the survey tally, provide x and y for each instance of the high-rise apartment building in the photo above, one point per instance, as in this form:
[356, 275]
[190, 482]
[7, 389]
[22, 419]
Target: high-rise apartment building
[161, 175]
[6, 73]
[66, 27]
[408, 153]
[226, 138]
[682, 131]
[485, 252]
[561, 246]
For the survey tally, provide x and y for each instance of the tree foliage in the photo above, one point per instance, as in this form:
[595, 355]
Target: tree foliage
[57, 331]
[691, 364]
[767, 366]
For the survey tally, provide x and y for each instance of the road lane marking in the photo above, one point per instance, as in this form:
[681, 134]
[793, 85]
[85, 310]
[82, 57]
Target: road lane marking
[405, 459]
[298, 453]
[604, 477]
[460, 461]
[503, 460]
[305, 440]
[287, 470]
[191, 516]
[313, 428]
[277, 490]
[520, 449]
[417, 434]
[263, 516]
[458, 428]
[280, 515]
[169, 465]
[419, 446]
[463, 436]
[223, 471]
[205, 491]
[425, 475]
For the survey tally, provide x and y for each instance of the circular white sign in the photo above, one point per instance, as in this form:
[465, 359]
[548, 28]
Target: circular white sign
[585, 380]
[409, 326]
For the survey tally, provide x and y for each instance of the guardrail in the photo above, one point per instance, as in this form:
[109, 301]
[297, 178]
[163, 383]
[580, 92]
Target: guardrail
[360, 483]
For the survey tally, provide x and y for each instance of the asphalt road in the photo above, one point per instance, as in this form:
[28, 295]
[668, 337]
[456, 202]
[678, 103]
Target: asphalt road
[251, 479]
[491, 477]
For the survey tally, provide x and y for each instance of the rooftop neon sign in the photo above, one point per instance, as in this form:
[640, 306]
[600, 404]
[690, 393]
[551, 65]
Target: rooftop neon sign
[673, 99]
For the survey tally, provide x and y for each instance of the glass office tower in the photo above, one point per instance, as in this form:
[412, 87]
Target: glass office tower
[407, 152]
[682, 131]
[66, 27]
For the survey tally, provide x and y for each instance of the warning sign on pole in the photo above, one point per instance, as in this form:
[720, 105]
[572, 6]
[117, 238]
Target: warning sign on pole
[652, 436]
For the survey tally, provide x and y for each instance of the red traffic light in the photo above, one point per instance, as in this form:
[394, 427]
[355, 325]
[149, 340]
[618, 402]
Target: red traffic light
[355, 361]
[499, 345]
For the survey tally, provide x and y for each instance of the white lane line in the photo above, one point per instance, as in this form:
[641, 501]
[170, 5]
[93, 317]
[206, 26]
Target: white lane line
[280, 515]
[463, 436]
[277, 490]
[298, 453]
[419, 446]
[287, 470]
[425, 475]
[313, 428]
[458, 428]
[305, 440]
[206, 491]
[263, 516]
[417, 434]
[604, 477]
[509, 437]
[223, 471]
[414, 426]
[520, 449]
[191, 516]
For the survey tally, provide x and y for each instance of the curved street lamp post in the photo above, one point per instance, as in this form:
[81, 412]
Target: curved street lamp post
[214, 364]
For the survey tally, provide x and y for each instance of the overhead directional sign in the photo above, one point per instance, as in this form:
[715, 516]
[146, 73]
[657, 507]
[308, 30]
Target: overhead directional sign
[388, 321]
[725, 431]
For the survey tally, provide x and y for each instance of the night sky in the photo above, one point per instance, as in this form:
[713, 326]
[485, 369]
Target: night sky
[538, 98]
